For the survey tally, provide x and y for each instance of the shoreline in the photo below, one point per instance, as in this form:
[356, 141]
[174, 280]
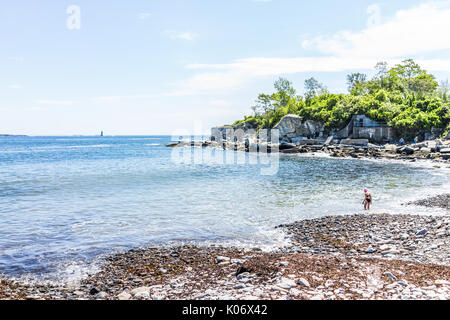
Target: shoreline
[426, 151]
[362, 256]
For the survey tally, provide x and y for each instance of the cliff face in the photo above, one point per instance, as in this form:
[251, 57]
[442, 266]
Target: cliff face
[290, 127]
[293, 126]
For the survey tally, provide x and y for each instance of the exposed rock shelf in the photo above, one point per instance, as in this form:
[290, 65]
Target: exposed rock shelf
[440, 201]
[437, 151]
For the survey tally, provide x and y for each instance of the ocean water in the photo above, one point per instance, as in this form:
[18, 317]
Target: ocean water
[67, 201]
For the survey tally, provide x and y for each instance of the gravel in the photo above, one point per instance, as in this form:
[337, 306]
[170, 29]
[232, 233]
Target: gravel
[334, 258]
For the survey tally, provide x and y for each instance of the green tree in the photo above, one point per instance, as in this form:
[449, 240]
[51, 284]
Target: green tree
[443, 90]
[356, 83]
[314, 88]
[405, 96]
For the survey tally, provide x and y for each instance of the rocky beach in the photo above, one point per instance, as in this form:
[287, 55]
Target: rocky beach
[363, 256]
[437, 151]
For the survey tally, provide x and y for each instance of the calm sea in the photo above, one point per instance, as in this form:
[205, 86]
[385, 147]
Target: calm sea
[66, 201]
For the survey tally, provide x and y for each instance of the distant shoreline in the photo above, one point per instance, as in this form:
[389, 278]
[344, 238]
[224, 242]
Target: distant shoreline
[13, 135]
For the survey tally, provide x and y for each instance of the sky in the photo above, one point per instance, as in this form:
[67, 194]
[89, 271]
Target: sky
[147, 67]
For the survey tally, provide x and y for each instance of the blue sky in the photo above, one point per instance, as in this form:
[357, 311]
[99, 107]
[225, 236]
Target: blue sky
[155, 67]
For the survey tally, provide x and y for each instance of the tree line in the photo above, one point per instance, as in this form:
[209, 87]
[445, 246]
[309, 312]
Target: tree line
[406, 97]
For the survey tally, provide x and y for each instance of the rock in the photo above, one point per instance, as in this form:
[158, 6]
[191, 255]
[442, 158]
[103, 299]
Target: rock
[124, 296]
[139, 290]
[288, 126]
[243, 275]
[402, 283]
[291, 126]
[355, 142]
[390, 275]
[390, 147]
[94, 291]
[284, 264]
[442, 283]
[286, 283]
[238, 261]
[101, 295]
[445, 150]
[222, 259]
[286, 146]
[142, 295]
[297, 140]
[329, 140]
[404, 236]
[422, 232]
[158, 297]
[303, 282]
[294, 292]
[407, 150]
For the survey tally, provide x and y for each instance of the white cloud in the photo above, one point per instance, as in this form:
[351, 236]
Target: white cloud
[55, 102]
[17, 59]
[409, 33]
[144, 15]
[422, 29]
[374, 15]
[189, 36]
[108, 99]
[220, 103]
[220, 78]
[15, 86]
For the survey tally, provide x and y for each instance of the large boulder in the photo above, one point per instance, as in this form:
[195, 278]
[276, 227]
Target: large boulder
[292, 126]
[355, 142]
[288, 126]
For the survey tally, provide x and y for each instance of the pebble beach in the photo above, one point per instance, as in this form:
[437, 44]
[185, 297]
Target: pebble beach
[364, 256]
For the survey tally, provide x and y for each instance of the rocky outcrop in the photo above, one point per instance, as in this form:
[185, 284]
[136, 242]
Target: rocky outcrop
[288, 126]
[241, 131]
[440, 201]
[355, 142]
[244, 126]
[293, 126]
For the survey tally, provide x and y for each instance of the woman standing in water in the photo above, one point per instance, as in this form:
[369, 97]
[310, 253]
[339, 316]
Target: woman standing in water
[367, 199]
